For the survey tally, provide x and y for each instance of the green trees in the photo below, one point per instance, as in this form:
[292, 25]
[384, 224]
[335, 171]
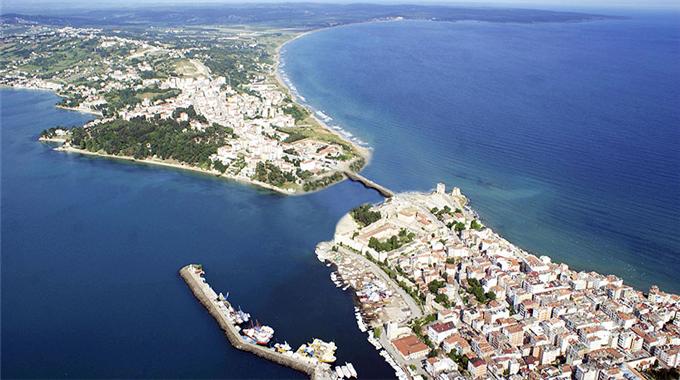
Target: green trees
[461, 360]
[364, 216]
[297, 112]
[442, 299]
[192, 114]
[475, 288]
[219, 166]
[357, 165]
[394, 242]
[459, 226]
[141, 138]
[269, 173]
[312, 185]
[475, 225]
[435, 285]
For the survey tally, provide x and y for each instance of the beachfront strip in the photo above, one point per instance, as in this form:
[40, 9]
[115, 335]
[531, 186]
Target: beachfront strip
[158, 101]
[445, 297]
[312, 358]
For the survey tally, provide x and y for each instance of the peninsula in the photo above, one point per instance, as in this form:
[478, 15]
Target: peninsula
[440, 294]
[192, 99]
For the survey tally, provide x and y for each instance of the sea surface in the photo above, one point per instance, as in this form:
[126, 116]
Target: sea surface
[565, 136]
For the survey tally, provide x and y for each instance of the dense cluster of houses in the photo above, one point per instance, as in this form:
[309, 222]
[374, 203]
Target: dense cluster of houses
[497, 311]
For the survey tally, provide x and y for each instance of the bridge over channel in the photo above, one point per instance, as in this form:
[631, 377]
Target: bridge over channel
[355, 177]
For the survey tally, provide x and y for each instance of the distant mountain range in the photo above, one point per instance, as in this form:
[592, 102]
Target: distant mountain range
[295, 15]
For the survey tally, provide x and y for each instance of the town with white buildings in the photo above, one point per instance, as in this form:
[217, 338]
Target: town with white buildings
[272, 141]
[488, 309]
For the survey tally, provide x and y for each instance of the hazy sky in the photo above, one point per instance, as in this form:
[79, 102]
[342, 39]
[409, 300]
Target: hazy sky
[49, 6]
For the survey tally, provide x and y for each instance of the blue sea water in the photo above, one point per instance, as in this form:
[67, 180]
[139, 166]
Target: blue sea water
[565, 136]
[91, 250]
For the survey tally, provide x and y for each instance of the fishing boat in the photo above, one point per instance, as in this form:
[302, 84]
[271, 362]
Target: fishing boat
[259, 333]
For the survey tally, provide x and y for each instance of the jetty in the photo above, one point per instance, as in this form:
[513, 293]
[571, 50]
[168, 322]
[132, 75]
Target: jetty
[192, 275]
[356, 177]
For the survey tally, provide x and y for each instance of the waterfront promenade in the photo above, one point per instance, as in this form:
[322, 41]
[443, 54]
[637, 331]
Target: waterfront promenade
[207, 296]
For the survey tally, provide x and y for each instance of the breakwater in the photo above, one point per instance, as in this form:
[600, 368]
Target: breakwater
[208, 298]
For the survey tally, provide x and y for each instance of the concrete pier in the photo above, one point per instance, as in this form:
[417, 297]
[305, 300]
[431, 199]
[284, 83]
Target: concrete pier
[356, 177]
[207, 296]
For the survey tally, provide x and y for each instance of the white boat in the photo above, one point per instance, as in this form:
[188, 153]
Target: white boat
[346, 372]
[260, 334]
[339, 372]
[282, 348]
[351, 369]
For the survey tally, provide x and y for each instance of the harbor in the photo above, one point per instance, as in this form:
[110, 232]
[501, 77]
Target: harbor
[379, 301]
[313, 359]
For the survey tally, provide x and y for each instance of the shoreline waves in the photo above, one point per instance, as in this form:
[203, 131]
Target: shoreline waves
[318, 115]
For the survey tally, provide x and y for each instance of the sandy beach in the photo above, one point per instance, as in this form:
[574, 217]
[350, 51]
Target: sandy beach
[363, 151]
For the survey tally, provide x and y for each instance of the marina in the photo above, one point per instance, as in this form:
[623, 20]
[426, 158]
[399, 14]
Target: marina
[377, 298]
[312, 358]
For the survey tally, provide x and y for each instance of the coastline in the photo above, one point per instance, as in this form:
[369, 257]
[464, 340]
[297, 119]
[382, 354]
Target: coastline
[169, 164]
[364, 152]
[37, 88]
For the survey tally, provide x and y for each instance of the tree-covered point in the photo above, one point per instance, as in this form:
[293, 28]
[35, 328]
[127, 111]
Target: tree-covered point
[141, 138]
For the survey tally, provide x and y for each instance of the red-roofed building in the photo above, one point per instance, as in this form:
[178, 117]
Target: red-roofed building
[440, 331]
[410, 347]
